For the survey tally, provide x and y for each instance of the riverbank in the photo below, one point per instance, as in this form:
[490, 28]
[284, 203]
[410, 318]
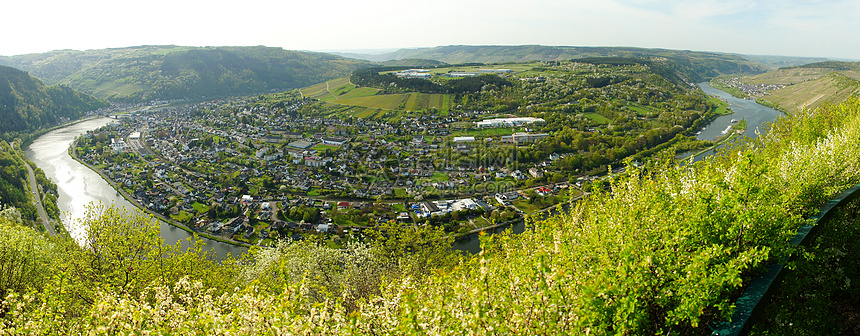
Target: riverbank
[143, 208]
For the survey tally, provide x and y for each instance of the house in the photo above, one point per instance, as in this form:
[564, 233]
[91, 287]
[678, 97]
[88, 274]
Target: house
[323, 228]
[466, 139]
[543, 191]
[403, 217]
[536, 173]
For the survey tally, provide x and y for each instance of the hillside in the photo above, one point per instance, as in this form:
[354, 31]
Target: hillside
[809, 85]
[695, 66]
[174, 72]
[664, 250]
[27, 104]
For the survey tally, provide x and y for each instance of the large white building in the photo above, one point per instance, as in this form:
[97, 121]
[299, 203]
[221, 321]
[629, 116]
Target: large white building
[414, 73]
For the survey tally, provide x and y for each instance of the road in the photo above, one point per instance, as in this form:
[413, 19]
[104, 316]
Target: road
[49, 225]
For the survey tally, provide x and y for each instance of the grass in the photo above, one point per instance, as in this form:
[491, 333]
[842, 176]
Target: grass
[384, 102]
[200, 208]
[323, 147]
[181, 217]
[341, 92]
[722, 107]
[642, 111]
[597, 118]
[524, 205]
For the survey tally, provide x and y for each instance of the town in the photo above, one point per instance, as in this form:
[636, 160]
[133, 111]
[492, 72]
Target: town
[263, 174]
[253, 170]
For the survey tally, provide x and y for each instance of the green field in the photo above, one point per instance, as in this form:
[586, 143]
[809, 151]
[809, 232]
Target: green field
[369, 104]
[597, 118]
[325, 90]
[640, 110]
[321, 147]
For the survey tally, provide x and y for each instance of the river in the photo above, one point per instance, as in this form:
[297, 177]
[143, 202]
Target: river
[756, 116]
[79, 186]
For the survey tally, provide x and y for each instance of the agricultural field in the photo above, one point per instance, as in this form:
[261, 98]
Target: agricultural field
[112, 89]
[831, 88]
[371, 104]
[787, 76]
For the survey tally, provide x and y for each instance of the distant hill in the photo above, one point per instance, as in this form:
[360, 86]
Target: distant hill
[811, 85]
[695, 66]
[414, 62]
[171, 72]
[27, 104]
[776, 62]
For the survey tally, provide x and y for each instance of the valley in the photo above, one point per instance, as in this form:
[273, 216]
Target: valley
[357, 197]
[335, 158]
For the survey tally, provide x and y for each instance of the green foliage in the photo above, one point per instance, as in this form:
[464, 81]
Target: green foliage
[661, 250]
[28, 105]
[372, 77]
[171, 72]
[14, 190]
[25, 256]
[817, 296]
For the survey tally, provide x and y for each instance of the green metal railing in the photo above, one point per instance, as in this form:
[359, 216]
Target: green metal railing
[751, 303]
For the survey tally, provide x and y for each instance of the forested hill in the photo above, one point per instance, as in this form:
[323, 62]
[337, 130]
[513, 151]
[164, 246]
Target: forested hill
[173, 72]
[695, 65]
[27, 104]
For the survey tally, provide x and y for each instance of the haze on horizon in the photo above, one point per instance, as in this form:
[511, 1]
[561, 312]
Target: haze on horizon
[815, 28]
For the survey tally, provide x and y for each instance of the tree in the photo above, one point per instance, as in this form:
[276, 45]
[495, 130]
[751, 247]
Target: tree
[26, 257]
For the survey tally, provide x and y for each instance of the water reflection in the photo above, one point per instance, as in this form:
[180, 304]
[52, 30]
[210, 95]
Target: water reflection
[79, 186]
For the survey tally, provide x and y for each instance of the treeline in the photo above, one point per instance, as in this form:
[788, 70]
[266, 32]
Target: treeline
[146, 73]
[14, 185]
[26, 104]
[373, 78]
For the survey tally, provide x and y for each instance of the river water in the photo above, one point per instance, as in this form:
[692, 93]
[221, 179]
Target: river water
[755, 114]
[79, 186]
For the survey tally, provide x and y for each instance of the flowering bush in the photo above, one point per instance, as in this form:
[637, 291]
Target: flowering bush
[663, 250]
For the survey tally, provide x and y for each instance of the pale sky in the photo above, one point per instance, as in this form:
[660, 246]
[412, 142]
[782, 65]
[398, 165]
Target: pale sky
[824, 28]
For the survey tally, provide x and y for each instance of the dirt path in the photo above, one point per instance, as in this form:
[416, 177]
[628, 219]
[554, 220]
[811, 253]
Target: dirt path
[813, 100]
